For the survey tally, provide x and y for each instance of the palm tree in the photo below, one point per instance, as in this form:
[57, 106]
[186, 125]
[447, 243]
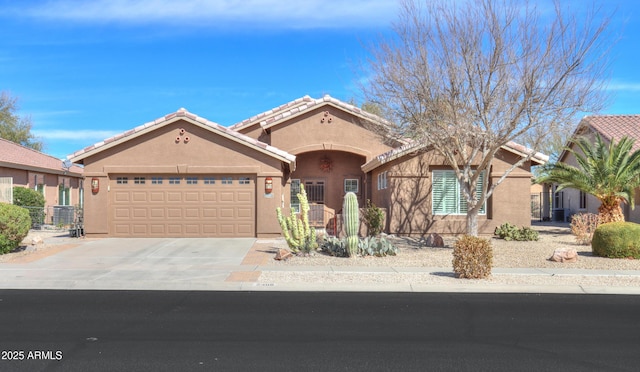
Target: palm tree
[611, 173]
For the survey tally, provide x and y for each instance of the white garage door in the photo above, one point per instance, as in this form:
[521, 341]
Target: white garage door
[182, 205]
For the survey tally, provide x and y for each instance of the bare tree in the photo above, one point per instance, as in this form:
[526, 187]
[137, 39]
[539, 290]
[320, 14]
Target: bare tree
[13, 127]
[466, 78]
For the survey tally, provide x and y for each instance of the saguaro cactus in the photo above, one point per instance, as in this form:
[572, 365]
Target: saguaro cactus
[351, 221]
[296, 231]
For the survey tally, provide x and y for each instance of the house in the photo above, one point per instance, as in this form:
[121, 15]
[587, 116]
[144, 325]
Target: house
[610, 127]
[183, 175]
[61, 185]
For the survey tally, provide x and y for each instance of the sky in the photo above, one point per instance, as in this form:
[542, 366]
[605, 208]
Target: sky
[85, 70]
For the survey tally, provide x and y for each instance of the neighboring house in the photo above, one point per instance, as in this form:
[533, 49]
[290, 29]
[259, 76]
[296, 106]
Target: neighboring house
[182, 175]
[570, 201]
[46, 174]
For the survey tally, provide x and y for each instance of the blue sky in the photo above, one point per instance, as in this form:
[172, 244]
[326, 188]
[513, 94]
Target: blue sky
[86, 70]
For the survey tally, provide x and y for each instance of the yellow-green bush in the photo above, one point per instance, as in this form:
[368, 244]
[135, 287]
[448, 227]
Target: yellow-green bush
[616, 240]
[14, 226]
[472, 257]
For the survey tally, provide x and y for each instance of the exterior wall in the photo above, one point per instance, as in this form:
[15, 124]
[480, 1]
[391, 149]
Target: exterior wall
[51, 181]
[159, 152]
[408, 197]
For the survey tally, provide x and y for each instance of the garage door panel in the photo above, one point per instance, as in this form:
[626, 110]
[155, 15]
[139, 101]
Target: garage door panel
[156, 196]
[122, 196]
[192, 212]
[122, 213]
[157, 229]
[244, 212]
[174, 213]
[244, 196]
[209, 196]
[192, 229]
[140, 229]
[227, 212]
[181, 208]
[139, 196]
[227, 196]
[211, 213]
[192, 196]
[227, 229]
[174, 196]
[156, 212]
[210, 229]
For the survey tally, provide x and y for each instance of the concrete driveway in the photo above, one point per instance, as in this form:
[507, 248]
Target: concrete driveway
[119, 263]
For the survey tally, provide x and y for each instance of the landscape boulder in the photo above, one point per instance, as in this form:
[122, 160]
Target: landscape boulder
[434, 240]
[564, 255]
[283, 254]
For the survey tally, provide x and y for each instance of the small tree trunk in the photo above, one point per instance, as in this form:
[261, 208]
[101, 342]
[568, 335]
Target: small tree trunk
[472, 222]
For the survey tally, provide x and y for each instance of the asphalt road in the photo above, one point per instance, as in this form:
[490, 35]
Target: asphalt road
[292, 331]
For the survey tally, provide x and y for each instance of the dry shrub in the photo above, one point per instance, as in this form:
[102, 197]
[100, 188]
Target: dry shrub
[583, 225]
[472, 257]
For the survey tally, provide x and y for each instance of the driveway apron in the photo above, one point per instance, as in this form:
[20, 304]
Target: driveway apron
[115, 263]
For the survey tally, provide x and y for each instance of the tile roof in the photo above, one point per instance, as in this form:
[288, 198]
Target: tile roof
[299, 106]
[13, 155]
[614, 127]
[417, 146]
[182, 114]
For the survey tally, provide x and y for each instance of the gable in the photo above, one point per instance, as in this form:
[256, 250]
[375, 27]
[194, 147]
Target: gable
[181, 138]
[308, 124]
[180, 147]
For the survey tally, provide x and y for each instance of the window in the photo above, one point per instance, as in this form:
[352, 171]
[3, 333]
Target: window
[447, 194]
[122, 180]
[583, 200]
[192, 180]
[174, 180]
[295, 189]
[156, 180]
[315, 191]
[382, 180]
[38, 183]
[209, 180]
[64, 195]
[244, 180]
[227, 180]
[351, 185]
[139, 180]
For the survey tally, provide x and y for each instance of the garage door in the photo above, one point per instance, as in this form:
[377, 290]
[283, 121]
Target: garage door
[182, 206]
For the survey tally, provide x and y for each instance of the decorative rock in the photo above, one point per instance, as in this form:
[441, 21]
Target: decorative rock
[283, 254]
[564, 255]
[434, 240]
[37, 240]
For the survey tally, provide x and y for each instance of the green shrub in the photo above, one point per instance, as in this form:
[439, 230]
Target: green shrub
[509, 232]
[583, 225]
[14, 226]
[25, 197]
[373, 219]
[617, 240]
[472, 257]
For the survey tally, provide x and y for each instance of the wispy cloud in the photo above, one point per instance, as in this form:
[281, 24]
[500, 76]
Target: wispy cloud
[623, 87]
[213, 13]
[84, 136]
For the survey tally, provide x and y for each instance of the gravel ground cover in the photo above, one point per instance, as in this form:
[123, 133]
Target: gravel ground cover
[507, 254]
